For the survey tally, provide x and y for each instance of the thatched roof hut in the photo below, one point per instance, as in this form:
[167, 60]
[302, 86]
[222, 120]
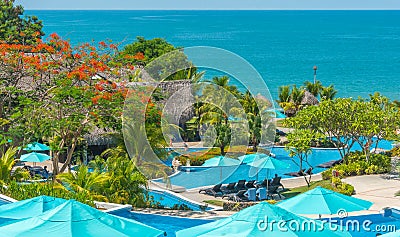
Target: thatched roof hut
[100, 137]
[309, 99]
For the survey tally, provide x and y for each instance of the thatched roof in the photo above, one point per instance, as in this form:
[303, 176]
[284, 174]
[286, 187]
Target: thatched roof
[309, 99]
[100, 137]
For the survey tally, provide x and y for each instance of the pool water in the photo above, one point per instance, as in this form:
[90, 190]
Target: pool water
[168, 200]
[169, 224]
[374, 224]
[205, 176]
[2, 202]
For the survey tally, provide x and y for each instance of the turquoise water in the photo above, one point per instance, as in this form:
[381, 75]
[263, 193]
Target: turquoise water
[204, 176]
[168, 224]
[358, 51]
[378, 224]
[2, 202]
[168, 200]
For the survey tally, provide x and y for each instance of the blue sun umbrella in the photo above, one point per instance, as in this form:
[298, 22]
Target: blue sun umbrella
[221, 161]
[323, 201]
[74, 219]
[251, 157]
[36, 146]
[391, 234]
[269, 163]
[35, 157]
[28, 208]
[262, 220]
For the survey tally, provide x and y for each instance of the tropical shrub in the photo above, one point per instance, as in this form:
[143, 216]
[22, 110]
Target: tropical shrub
[21, 191]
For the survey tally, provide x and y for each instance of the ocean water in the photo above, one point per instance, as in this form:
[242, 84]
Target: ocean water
[357, 51]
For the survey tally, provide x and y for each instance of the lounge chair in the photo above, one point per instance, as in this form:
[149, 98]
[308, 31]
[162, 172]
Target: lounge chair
[214, 191]
[296, 174]
[237, 197]
[261, 194]
[230, 188]
[251, 194]
[277, 182]
[250, 184]
[241, 185]
[265, 183]
[273, 190]
[329, 164]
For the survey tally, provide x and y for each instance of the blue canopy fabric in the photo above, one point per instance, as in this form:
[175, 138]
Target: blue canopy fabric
[36, 146]
[247, 223]
[221, 161]
[323, 201]
[35, 157]
[251, 157]
[74, 219]
[391, 234]
[269, 163]
[28, 208]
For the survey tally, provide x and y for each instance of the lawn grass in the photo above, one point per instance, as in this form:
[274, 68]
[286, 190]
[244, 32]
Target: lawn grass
[215, 202]
[296, 191]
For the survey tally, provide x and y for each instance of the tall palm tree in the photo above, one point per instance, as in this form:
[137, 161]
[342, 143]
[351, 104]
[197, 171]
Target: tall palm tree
[7, 162]
[327, 93]
[313, 88]
[296, 97]
[84, 181]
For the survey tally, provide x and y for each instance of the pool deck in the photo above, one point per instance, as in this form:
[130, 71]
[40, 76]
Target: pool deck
[377, 189]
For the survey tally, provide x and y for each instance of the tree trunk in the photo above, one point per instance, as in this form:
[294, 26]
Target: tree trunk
[222, 148]
[69, 156]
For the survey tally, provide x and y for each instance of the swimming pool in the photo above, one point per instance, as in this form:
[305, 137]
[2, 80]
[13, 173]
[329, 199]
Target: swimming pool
[369, 225]
[169, 224]
[169, 200]
[2, 202]
[201, 176]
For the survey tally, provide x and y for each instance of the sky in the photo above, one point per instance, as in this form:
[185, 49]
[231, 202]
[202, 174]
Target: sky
[208, 4]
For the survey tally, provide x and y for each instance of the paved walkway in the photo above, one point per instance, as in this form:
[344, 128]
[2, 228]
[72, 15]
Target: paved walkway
[377, 189]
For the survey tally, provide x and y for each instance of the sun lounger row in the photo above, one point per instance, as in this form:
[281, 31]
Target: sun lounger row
[329, 164]
[300, 173]
[242, 191]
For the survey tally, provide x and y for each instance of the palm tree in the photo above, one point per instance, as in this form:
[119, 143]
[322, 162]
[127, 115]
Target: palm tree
[313, 88]
[296, 97]
[327, 93]
[84, 181]
[126, 184]
[7, 162]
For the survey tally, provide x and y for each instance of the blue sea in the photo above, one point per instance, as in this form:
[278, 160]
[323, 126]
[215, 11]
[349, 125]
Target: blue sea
[357, 51]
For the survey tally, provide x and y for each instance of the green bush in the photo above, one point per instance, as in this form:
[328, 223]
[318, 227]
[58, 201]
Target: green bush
[357, 164]
[394, 152]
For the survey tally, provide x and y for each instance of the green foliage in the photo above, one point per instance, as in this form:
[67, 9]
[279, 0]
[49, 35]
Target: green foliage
[327, 93]
[313, 88]
[356, 164]
[20, 191]
[395, 152]
[173, 65]
[125, 184]
[299, 144]
[7, 161]
[354, 121]
[338, 186]
[17, 29]
[83, 181]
